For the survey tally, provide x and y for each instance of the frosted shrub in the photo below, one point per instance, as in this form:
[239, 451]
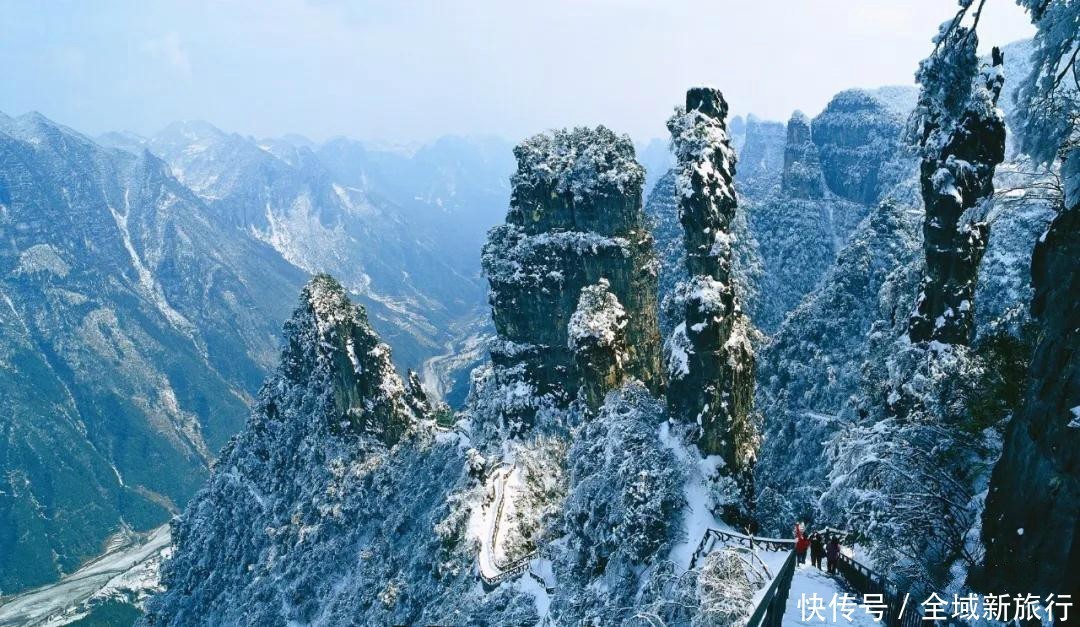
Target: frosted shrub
[625, 486]
[725, 586]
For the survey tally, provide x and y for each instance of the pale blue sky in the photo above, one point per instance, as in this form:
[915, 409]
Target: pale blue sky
[408, 70]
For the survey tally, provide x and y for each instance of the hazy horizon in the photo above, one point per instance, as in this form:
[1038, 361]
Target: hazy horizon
[405, 75]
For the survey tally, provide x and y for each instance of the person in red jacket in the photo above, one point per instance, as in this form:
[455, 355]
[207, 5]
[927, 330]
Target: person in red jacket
[802, 544]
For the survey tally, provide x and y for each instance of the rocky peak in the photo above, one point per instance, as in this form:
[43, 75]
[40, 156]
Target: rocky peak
[577, 180]
[710, 363]
[857, 135]
[802, 176]
[575, 220]
[329, 339]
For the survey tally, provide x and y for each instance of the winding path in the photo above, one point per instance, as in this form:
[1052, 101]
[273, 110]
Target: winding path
[489, 567]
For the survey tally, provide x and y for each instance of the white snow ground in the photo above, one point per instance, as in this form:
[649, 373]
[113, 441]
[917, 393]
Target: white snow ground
[809, 581]
[130, 569]
[697, 518]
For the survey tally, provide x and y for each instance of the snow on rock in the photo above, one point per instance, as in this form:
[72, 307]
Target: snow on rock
[579, 162]
[599, 318]
[697, 516]
[42, 258]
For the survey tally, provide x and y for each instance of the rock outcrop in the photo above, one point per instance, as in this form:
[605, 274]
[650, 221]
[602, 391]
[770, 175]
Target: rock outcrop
[1030, 529]
[575, 220]
[710, 361]
[802, 177]
[960, 153]
[597, 333]
[292, 490]
[761, 156]
[857, 136]
[331, 347]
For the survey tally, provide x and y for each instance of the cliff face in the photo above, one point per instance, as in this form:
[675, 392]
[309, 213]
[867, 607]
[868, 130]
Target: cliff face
[761, 156]
[1031, 527]
[663, 213]
[799, 228]
[856, 136]
[710, 361]
[575, 220]
[802, 176]
[597, 332]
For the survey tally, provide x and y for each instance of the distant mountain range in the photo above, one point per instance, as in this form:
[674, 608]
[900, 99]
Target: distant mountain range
[143, 285]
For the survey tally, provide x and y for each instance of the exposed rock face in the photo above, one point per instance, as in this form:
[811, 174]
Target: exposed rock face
[856, 136]
[663, 212]
[597, 333]
[329, 340]
[802, 176]
[761, 156]
[710, 361]
[1031, 528]
[799, 228]
[960, 153]
[575, 219]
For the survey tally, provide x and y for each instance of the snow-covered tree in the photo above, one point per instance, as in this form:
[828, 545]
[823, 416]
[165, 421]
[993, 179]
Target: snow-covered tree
[1049, 96]
[622, 508]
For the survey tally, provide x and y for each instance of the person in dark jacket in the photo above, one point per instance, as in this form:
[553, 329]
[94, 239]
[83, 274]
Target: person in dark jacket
[832, 552]
[817, 549]
[802, 544]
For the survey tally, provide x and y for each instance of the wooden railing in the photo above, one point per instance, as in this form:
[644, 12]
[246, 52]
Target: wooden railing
[897, 608]
[513, 569]
[712, 536]
[899, 611]
[770, 611]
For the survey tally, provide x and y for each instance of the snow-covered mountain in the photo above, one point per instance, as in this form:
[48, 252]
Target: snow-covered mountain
[142, 303]
[400, 230]
[746, 349]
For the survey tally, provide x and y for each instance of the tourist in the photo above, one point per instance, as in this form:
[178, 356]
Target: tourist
[802, 545]
[833, 553]
[817, 549]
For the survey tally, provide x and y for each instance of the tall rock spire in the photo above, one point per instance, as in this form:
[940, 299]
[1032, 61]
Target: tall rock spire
[802, 177]
[575, 221]
[963, 141]
[710, 361]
